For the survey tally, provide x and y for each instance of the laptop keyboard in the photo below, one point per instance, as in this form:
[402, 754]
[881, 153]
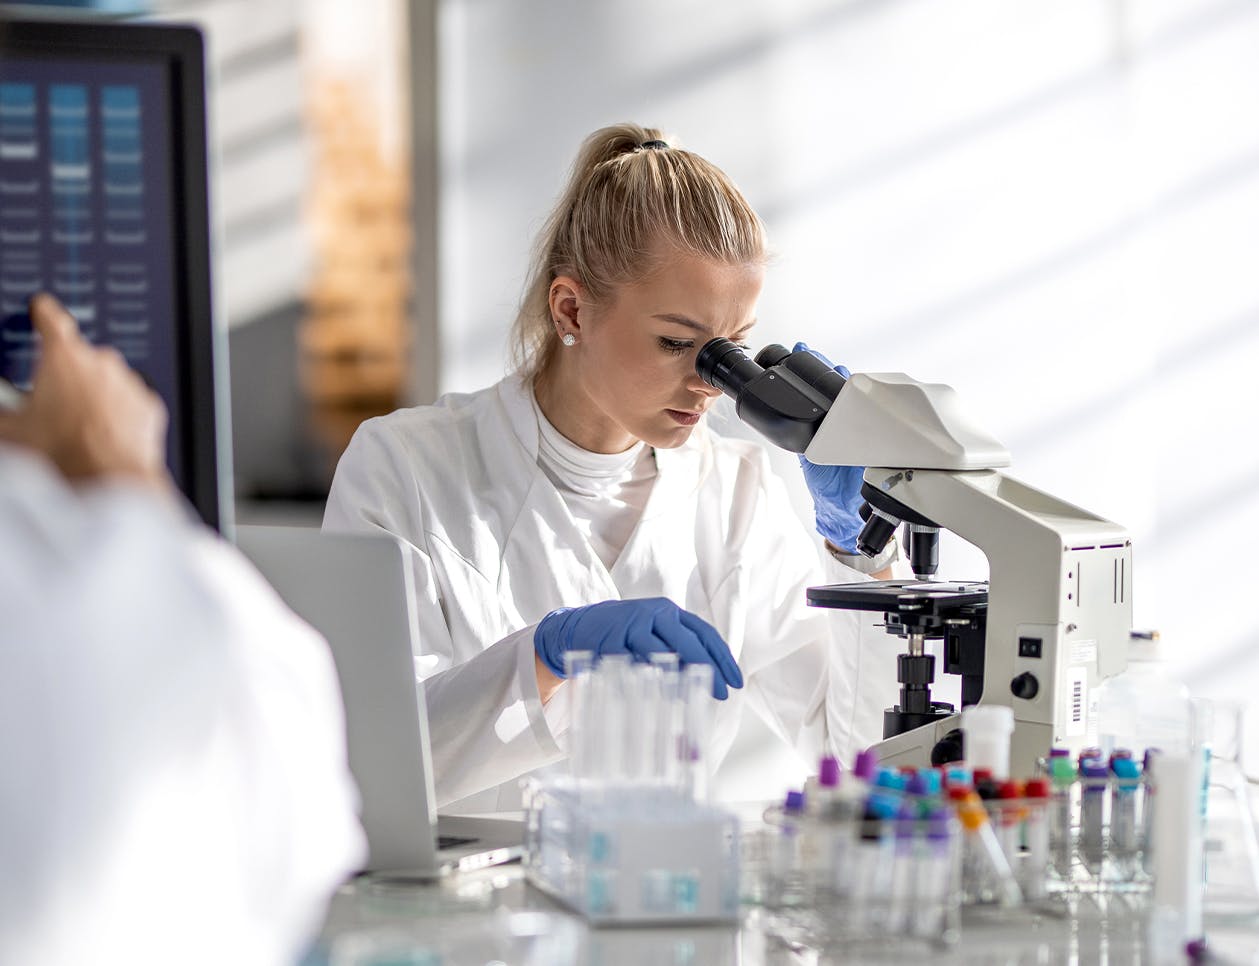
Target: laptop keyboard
[453, 841]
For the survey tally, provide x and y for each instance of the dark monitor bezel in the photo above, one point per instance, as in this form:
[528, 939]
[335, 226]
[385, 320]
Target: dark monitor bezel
[199, 359]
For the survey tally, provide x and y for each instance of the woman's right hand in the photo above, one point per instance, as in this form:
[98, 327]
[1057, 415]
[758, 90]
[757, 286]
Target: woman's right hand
[638, 627]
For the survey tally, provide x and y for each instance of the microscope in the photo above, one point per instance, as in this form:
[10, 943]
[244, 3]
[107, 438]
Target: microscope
[1053, 619]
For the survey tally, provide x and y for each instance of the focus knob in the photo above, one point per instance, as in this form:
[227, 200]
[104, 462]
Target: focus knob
[1025, 686]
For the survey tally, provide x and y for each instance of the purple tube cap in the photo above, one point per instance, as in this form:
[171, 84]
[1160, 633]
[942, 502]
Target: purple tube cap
[794, 802]
[828, 772]
[866, 765]
[1094, 769]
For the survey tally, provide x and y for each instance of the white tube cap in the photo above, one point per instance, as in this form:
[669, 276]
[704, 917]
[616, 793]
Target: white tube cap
[986, 730]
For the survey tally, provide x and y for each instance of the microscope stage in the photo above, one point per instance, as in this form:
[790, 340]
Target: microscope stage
[900, 595]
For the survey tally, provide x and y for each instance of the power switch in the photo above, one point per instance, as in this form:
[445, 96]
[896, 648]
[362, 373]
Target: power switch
[1030, 647]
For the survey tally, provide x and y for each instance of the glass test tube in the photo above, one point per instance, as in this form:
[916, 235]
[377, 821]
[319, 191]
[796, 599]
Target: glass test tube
[696, 700]
[577, 669]
[668, 726]
[645, 697]
[617, 716]
[906, 866]
[974, 818]
[1061, 846]
[1095, 783]
[1036, 832]
[937, 876]
[1124, 842]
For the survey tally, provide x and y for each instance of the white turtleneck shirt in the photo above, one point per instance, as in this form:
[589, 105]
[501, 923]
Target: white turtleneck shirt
[605, 492]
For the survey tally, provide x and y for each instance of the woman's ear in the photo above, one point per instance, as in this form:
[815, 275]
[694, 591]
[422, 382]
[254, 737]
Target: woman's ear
[566, 298]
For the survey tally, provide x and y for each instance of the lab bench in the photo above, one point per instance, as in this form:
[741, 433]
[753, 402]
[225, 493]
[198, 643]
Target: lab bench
[495, 916]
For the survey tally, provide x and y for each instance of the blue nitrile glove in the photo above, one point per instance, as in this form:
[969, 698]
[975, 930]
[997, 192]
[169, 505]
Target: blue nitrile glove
[639, 628]
[836, 490]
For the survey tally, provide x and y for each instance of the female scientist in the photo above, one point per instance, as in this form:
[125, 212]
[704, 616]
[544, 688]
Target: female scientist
[581, 503]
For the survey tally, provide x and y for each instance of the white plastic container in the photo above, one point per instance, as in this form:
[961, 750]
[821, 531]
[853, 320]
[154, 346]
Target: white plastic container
[986, 730]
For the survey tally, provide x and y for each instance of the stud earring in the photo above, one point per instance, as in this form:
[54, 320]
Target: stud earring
[569, 339]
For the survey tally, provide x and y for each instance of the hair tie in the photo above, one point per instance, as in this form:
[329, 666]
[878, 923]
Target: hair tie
[653, 145]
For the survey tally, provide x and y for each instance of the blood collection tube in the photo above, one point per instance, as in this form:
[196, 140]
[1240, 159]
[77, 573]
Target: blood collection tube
[1036, 835]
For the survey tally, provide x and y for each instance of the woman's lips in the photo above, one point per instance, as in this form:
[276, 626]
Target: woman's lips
[683, 417]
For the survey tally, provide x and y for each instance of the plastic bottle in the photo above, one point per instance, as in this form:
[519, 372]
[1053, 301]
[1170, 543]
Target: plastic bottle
[1144, 707]
[986, 729]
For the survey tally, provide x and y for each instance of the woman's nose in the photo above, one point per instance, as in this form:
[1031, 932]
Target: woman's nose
[700, 386]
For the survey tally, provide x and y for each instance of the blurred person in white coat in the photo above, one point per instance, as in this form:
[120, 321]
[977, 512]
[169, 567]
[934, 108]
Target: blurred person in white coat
[583, 504]
[172, 743]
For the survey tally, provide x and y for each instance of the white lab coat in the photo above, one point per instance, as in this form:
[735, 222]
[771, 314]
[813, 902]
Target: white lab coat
[496, 549]
[171, 740]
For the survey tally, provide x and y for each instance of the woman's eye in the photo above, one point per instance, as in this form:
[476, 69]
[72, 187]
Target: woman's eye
[674, 346]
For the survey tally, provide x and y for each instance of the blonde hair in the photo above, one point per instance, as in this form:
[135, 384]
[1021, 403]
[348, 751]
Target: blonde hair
[629, 190]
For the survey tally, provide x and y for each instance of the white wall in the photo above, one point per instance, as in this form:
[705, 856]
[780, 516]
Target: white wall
[259, 152]
[1052, 205]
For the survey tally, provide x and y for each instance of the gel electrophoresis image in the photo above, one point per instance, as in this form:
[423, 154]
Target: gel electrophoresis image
[85, 211]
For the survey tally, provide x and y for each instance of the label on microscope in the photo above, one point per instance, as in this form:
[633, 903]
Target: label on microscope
[1083, 652]
[1075, 698]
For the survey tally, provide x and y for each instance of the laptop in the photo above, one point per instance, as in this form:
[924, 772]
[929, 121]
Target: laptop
[358, 591]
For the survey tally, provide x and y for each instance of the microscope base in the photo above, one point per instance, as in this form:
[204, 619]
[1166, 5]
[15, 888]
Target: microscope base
[1029, 742]
[896, 721]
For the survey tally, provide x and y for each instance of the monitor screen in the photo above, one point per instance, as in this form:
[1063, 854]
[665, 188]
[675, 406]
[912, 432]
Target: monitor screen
[103, 203]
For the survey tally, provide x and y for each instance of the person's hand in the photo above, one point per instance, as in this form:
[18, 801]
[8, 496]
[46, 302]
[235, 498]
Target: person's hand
[87, 411]
[639, 628]
[836, 490]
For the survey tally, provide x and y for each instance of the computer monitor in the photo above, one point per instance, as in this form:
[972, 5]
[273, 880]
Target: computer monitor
[103, 202]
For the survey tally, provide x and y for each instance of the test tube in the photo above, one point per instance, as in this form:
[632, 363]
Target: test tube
[616, 715]
[905, 862]
[1010, 814]
[668, 730]
[1095, 782]
[577, 670]
[974, 819]
[1061, 847]
[1124, 844]
[938, 879]
[1036, 833]
[872, 860]
[641, 697]
[696, 695]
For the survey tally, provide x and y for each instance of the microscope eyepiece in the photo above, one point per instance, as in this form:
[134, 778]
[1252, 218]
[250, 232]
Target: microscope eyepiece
[772, 354]
[780, 393]
[725, 366]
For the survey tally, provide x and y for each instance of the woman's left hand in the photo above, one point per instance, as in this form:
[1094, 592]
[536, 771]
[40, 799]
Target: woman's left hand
[836, 490]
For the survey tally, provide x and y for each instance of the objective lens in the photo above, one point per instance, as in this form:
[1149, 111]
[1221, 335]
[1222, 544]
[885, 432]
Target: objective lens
[924, 550]
[876, 533]
[725, 366]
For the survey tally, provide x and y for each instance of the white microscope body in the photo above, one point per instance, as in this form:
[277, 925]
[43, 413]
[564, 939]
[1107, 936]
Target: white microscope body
[1059, 607]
